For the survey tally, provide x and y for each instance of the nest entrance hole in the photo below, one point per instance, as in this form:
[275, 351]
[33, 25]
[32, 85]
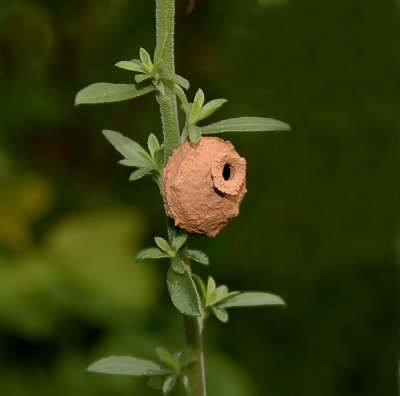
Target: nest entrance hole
[226, 172]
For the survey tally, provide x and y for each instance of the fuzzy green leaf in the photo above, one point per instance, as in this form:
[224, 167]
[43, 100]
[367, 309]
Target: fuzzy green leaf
[108, 92]
[147, 157]
[211, 285]
[183, 99]
[198, 256]
[151, 253]
[159, 158]
[194, 133]
[167, 358]
[200, 286]
[139, 173]
[131, 162]
[210, 108]
[128, 148]
[132, 66]
[145, 58]
[126, 365]
[252, 299]
[178, 265]
[159, 51]
[152, 144]
[196, 106]
[169, 384]
[183, 293]
[164, 245]
[220, 293]
[175, 78]
[179, 239]
[245, 124]
[142, 77]
[220, 313]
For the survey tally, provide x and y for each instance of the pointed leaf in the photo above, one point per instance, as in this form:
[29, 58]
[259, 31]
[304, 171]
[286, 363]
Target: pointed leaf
[220, 313]
[183, 99]
[200, 286]
[130, 162]
[194, 133]
[211, 291]
[169, 384]
[145, 58]
[152, 144]
[175, 78]
[164, 245]
[159, 158]
[128, 148]
[138, 174]
[210, 108]
[183, 293]
[196, 106]
[126, 365]
[132, 66]
[142, 77]
[245, 124]
[179, 239]
[211, 285]
[221, 292]
[167, 358]
[159, 51]
[199, 97]
[147, 157]
[108, 92]
[198, 256]
[151, 253]
[252, 299]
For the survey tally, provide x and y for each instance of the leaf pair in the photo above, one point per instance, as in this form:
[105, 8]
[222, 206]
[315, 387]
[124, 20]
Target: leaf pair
[148, 163]
[218, 299]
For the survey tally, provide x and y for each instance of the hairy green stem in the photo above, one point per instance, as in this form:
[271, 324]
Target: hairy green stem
[194, 347]
[165, 20]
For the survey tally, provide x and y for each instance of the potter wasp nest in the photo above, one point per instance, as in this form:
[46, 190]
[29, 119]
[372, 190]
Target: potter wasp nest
[203, 185]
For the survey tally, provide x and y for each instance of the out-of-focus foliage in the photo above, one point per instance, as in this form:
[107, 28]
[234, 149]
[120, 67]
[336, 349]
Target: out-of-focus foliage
[319, 225]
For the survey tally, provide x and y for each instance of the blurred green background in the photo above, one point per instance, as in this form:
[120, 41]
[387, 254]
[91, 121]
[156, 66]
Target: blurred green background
[319, 225]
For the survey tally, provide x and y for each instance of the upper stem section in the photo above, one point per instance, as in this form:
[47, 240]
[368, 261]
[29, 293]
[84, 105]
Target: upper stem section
[165, 21]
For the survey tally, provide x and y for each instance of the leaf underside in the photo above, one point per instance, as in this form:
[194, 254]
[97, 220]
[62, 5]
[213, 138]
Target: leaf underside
[183, 293]
[127, 365]
[252, 299]
[108, 92]
[245, 124]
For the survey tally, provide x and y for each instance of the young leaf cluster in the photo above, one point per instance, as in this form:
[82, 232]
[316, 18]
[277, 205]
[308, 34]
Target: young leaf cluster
[149, 77]
[195, 112]
[176, 251]
[148, 163]
[149, 70]
[161, 376]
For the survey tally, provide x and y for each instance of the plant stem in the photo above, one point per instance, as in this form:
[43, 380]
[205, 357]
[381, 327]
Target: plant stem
[165, 20]
[194, 347]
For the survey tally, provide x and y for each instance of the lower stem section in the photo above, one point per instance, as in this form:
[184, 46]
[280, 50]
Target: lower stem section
[194, 347]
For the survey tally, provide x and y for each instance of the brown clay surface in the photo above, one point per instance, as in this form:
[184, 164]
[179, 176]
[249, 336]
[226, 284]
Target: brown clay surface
[203, 185]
